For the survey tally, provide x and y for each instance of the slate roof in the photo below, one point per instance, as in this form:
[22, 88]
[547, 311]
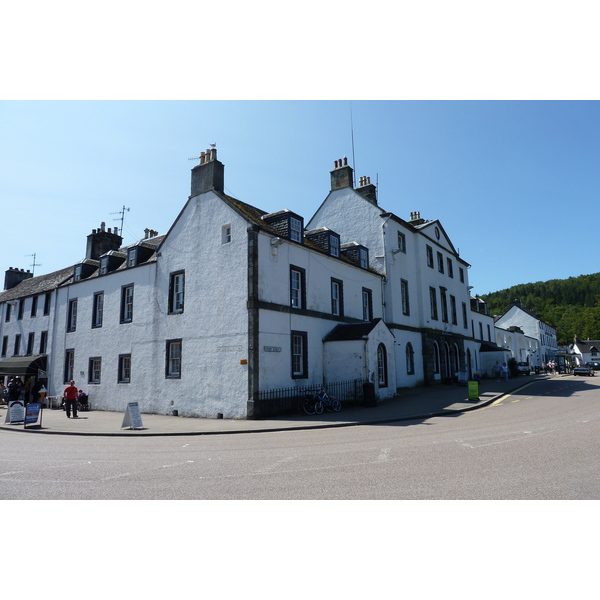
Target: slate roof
[351, 331]
[38, 285]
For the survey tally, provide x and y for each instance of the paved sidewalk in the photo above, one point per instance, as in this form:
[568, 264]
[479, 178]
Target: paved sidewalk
[411, 404]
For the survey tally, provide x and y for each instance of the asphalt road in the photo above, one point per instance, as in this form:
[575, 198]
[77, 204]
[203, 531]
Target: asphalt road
[542, 443]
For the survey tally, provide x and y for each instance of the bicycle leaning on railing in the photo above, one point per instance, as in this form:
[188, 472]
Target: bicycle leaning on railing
[312, 404]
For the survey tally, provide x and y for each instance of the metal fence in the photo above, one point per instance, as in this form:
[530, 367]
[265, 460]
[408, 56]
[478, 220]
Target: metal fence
[282, 401]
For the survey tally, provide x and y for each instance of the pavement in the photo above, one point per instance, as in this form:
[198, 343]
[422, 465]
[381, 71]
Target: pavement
[410, 405]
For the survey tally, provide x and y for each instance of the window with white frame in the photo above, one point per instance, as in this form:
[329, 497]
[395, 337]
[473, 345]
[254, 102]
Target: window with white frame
[404, 296]
[440, 261]
[132, 257]
[43, 342]
[69, 364]
[173, 359]
[401, 242]
[410, 359]
[433, 303]
[226, 234]
[363, 257]
[450, 267]
[98, 309]
[124, 368]
[367, 304]
[30, 342]
[299, 354]
[127, 303]
[334, 245]
[297, 287]
[176, 292]
[436, 358]
[295, 229]
[382, 372]
[429, 251]
[453, 310]
[72, 315]
[444, 302]
[95, 370]
[337, 297]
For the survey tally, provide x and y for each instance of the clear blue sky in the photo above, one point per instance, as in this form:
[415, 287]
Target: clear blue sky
[514, 183]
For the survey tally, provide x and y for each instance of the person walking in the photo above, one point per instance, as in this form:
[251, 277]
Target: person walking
[504, 372]
[70, 395]
[497, 371]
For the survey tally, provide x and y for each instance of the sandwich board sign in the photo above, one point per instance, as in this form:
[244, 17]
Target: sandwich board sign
[132, 418]
[15, 412]
[32, 414]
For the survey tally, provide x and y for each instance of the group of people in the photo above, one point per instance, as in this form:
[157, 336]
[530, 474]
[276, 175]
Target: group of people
[501, 371]
[551, 366]
[17, 389]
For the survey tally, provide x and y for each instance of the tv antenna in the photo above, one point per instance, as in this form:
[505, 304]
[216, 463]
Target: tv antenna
[122, 213]
[34, 265]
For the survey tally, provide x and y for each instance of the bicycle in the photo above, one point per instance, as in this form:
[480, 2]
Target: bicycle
[311, 405]
[329, 402]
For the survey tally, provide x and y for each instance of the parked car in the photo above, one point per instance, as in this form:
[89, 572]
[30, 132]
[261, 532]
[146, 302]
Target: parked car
[593, 365]
[584, 370]
[523, 368]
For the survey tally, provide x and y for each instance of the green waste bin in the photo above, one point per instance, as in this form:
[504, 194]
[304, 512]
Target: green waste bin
[473, 388]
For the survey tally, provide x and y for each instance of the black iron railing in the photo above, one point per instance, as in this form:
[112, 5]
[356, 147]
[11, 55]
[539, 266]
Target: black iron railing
[282, 401]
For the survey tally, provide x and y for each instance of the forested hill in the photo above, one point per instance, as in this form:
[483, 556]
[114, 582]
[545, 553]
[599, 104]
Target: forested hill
[570, 305]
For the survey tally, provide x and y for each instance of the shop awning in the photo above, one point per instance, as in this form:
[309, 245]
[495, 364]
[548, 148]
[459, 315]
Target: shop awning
[23, 365]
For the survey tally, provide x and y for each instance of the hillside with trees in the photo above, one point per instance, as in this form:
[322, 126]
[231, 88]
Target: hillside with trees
[571, 306]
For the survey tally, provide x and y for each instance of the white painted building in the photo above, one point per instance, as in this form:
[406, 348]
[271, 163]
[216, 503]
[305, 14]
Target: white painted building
[533, 327]
[426, 287]
[232, 302]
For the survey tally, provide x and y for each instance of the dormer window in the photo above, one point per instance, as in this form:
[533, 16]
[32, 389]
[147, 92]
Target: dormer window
[77, 275]
[132, 257]
[295, 229]
[334, 245]
[363, 255]
[104, 265]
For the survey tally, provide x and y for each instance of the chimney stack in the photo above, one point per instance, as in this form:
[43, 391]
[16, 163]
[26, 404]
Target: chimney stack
[341, 176]
[101, 241]
[209, 174]
[14, 277]
[415, 218]
[367, 189]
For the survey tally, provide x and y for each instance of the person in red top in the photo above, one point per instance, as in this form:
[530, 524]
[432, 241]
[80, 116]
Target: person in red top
[70, 395]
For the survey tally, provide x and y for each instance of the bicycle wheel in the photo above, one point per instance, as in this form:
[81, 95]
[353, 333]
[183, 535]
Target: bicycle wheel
[318, 407]
[337, 405]
[308, 406]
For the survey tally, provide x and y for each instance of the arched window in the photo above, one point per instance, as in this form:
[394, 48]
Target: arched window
[447, 364]
[436, 358]
[382, 374]
[410, 359]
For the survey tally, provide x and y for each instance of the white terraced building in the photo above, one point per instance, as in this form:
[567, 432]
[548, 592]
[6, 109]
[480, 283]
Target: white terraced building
[232, 302]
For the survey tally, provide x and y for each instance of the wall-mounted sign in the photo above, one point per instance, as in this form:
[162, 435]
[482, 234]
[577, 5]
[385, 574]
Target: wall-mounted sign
[272, 348]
